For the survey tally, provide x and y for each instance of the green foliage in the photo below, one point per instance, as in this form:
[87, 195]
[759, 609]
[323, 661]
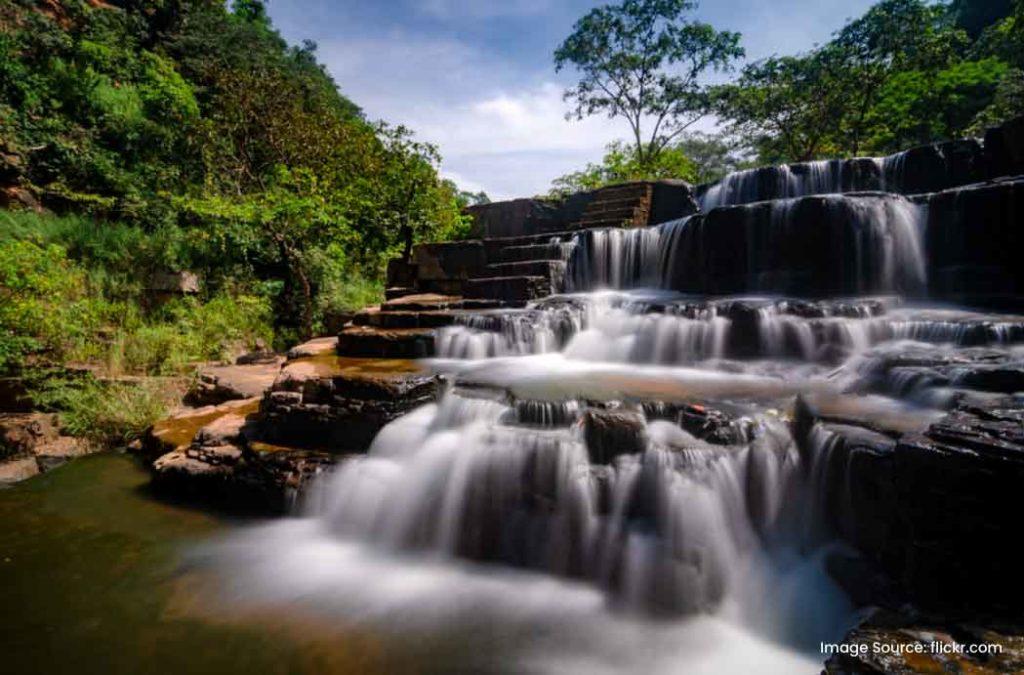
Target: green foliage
[904, 73]
[642, 60]
[916, 107]
[621, 164]
[110, 414]
[713, 155]
[43, 304]
[231, 151]
[73, 290]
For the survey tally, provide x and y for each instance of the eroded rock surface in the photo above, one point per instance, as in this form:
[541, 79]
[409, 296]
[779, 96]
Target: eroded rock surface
[217, 384]
[340, 404]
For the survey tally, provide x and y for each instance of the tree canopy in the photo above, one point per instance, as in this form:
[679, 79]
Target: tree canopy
[643, 60]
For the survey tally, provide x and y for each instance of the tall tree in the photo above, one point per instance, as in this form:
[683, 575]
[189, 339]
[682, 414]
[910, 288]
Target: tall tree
[643, 61]
[891, 37]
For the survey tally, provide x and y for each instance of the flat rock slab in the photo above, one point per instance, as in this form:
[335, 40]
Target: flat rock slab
[16, 470]
[387, 343]
[179, 430]
[217, 384]
[314, 347]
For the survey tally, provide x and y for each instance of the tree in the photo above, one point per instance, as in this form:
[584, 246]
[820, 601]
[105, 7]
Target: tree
[891, 37]
[788, 107]
[641, 60]
[713, 155]
[620, 164]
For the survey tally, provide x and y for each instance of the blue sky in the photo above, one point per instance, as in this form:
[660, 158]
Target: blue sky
[476, 76]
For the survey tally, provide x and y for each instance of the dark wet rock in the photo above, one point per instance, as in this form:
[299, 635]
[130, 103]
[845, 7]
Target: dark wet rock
[513, 291]
[340, 412]
[936, 509]
[448, 260]
[863, 580]
[516, 217]
[221, 467]
[907, 642]
[1004, 146]
[401, 273]
[217, 384]
[973, 235]
[671, 199]
[702, 421]
[390, 343]
[610, 433]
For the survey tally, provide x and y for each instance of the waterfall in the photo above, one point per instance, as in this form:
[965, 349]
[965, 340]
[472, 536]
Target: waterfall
[614, 258]
[662, 531]
[827, 244]
[777, 182]
[787, 181]
[623, 328]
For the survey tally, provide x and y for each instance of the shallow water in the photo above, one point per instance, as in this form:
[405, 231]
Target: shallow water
[93, 580]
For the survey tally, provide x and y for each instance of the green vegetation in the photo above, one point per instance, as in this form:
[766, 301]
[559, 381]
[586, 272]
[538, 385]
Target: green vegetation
[642, 60]
[907, 72]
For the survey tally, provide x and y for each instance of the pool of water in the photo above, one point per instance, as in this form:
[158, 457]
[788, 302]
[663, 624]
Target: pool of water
[94, 578]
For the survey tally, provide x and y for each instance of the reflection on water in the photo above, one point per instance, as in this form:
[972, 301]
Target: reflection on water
[91, 581]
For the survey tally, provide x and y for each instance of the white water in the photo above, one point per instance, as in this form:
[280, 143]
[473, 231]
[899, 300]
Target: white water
[883, 234]
[830, 176]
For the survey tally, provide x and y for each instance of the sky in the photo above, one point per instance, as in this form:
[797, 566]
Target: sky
[476, 77]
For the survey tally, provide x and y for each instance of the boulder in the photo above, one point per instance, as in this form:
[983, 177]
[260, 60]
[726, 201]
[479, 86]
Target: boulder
[610, 433]
[221, 467]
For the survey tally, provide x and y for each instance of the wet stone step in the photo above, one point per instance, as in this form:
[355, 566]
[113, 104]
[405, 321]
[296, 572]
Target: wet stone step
[413, 319]
[597, 223]
[426, 302]
[389, 343]
[554, 270]
[545, 251]
[614, 203]
[512, 290]
[625, 213]
[625, 192]
[493, 247]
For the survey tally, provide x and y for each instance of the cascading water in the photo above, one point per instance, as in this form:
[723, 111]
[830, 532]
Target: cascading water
[834, 244]
[635, 447]
[786, 181]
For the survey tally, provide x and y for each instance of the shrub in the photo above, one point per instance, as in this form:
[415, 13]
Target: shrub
[108, 413]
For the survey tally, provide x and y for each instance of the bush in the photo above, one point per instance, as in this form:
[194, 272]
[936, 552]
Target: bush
[108, 413]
